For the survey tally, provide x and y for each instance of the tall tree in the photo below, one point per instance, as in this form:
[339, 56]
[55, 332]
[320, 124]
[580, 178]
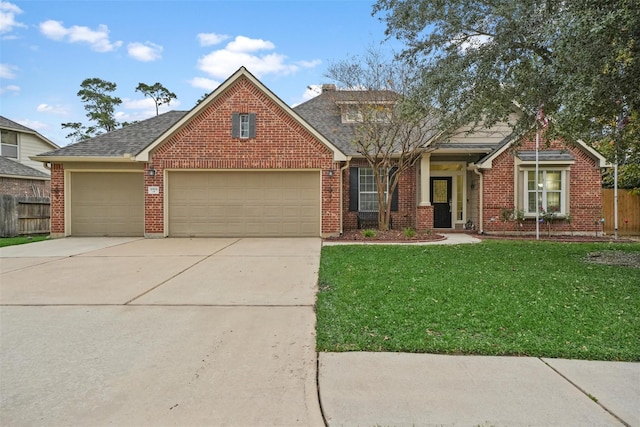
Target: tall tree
[100, 105]
[390, 126]
[160, 94]
[578, 59]
[79, 132]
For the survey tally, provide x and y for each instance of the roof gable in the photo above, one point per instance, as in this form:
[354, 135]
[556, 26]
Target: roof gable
[17, 127]
[338, 154]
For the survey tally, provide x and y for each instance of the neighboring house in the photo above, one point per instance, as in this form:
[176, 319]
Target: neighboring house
[243, 163]
[19, 175]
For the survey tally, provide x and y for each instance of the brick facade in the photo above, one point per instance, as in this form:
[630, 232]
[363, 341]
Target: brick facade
[585, 193]
[57, 200]
[25, 187]
[206, 143]
[405, 216]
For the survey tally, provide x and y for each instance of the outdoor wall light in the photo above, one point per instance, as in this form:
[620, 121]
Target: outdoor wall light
[330, 172]
[152, 172]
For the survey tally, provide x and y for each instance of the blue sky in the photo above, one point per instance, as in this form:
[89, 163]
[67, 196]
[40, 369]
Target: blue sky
[49, 47]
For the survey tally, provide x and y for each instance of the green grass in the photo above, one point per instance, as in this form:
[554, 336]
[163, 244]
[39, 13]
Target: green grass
[495, 298]
[11, 241]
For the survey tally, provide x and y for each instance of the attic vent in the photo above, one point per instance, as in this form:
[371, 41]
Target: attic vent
[328, 88]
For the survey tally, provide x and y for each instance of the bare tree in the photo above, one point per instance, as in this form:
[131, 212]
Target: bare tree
[390, 126]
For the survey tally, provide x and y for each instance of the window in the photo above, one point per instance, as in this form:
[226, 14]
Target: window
[357, 113]
[9, 145]
[363, 193]
[550, 194]
[368, 191]
[243, 125]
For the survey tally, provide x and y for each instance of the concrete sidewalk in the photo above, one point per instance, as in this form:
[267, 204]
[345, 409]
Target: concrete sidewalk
[400, 389]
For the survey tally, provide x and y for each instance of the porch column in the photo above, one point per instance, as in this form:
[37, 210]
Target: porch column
[425, 174]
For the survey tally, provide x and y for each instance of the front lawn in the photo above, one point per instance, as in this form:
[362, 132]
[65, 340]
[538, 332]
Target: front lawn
[494, 298]
[20, 240]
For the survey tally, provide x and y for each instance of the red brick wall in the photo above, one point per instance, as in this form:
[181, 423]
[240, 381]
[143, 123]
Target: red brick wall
[57, 200]
[405, 216]
[280, 143]
[25, 187]
[585, 193]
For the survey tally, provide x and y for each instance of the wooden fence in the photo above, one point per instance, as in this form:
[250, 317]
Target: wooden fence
[21, 216]
[628, 212]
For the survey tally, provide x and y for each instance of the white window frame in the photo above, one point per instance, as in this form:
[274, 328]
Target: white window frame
[244, 126]
[372, 205]
[7, 147]
[544, 191]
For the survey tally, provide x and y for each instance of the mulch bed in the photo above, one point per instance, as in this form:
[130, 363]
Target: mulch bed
[388, 236]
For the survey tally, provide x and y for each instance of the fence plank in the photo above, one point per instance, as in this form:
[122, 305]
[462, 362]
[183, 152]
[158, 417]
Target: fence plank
[24, 215]
[628, 212]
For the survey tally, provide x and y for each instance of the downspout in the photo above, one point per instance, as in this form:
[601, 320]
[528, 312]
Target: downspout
[480, 201]
[342, 169]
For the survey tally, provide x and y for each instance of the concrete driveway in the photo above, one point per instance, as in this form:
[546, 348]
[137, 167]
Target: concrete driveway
[115, 331]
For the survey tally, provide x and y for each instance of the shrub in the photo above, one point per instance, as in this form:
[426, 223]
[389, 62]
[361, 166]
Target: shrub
[369, 233]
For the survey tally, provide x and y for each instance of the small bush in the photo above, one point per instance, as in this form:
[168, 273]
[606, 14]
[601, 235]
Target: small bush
[369, 233]
[409, 232]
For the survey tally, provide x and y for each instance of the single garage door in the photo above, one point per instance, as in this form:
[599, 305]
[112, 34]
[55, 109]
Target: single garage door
[107, 204]
[244, 203]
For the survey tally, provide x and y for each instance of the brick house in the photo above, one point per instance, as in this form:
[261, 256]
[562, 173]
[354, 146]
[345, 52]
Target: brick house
[243, 163]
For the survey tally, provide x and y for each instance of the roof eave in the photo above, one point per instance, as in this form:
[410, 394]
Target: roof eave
[65, 159]
[37, 178]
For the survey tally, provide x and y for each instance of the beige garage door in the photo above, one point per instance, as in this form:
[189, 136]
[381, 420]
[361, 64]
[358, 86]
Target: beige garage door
[107, 204]
[244, 204]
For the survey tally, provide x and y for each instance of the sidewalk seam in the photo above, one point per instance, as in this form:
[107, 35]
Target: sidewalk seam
[586, 393]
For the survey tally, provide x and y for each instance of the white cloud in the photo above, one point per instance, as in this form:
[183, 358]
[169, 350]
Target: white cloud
[244, 51]
[204, 83]
[311, 92]
[52, 109]
[10, 89]
[8, 71]
[245, 44]
[309, 64]
[210, 39]
[98, 39]
[145, 52]
[8, 12]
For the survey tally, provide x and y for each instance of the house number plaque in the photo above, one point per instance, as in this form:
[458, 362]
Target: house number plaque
[153, 189]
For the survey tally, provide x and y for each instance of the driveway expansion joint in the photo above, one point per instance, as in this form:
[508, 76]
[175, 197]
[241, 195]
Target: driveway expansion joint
[585, 392]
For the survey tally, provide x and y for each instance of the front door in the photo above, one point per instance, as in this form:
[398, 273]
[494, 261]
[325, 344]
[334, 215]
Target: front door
[441, 201]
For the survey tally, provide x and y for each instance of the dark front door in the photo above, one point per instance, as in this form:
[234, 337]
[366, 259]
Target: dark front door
[441, 201]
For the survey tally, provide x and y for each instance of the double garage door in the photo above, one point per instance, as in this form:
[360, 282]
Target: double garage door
[200, 204]
[243, 203]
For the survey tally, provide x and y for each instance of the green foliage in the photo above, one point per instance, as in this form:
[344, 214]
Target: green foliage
[98, 102]
[539, 299]
[409, 232]
[79, 132]
[369, 233]
[160, 94]
[579, 59]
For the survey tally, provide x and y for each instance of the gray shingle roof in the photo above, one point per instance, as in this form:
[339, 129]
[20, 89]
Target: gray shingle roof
[10, 124]
[546, 156]
[130, 139]
[12, 168]
[323, 115]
